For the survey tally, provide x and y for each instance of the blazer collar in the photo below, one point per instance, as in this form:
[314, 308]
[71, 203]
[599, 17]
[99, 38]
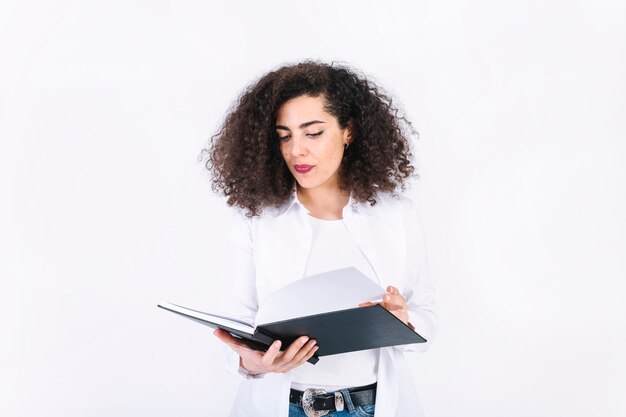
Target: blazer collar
[295, 201]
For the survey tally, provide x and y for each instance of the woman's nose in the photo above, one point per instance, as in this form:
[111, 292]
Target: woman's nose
[298, 147]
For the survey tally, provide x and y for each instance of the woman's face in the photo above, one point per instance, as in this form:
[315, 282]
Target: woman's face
[311, 141]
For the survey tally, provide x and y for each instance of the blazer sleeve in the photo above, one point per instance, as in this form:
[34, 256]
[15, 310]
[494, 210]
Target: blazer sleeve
[419, 291]
[238, 269]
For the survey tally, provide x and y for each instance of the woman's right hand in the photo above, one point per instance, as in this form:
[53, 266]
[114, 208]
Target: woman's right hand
[257, 362]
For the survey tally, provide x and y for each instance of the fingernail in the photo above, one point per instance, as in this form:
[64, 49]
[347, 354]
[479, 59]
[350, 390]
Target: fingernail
[313, 342]
[304, 340]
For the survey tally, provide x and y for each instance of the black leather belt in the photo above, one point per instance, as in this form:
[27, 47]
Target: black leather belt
[321, 400]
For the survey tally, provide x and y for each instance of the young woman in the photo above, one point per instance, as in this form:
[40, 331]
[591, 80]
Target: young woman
[313, 156]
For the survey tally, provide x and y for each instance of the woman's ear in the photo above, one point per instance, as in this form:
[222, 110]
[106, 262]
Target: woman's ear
[348, 133]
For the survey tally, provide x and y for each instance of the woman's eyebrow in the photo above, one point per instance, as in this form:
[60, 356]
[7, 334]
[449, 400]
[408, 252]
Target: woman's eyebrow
[302, 126]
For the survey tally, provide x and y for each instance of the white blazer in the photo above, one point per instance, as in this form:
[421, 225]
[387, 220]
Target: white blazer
[265, 253]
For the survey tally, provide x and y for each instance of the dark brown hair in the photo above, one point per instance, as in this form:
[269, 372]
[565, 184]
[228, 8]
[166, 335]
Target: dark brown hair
[244, 157]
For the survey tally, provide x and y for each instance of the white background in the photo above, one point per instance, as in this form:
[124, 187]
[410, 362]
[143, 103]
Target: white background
[105, 211]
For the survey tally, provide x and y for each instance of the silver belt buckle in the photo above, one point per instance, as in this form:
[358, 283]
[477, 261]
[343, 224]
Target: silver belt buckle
[307, 402]
[339, 405]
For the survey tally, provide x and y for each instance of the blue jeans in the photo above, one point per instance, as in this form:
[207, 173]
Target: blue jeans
[349, 410]
[367, 411]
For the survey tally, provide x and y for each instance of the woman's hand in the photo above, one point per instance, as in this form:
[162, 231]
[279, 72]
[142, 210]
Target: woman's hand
[395, 303]
[273, 360]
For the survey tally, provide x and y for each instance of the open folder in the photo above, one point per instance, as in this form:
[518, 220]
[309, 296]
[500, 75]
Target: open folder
[323, 307]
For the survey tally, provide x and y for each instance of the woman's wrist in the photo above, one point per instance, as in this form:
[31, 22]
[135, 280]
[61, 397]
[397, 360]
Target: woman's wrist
[246, 371]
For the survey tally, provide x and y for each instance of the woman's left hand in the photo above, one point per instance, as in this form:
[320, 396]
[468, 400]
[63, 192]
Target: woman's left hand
[395, 303]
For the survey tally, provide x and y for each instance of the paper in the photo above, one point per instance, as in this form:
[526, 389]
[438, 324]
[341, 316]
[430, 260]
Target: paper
[209, 318]
[321, 293]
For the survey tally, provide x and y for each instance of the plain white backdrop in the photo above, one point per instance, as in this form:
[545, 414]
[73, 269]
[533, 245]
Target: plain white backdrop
[105, 211]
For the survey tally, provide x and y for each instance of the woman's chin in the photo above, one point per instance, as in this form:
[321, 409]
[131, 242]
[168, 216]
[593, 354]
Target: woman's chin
[306, 184]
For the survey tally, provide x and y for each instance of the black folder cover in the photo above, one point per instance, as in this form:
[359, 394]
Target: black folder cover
[344, 331]
[336, 332]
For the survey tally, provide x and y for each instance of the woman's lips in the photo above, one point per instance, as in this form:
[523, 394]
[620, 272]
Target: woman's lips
[303, 169]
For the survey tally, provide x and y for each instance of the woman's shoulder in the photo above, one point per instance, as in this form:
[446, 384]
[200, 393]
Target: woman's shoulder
[393, 203]
[397, 211]
[240, 219]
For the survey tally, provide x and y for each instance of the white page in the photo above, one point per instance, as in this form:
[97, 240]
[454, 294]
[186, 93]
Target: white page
[212, 318]
[321, 293]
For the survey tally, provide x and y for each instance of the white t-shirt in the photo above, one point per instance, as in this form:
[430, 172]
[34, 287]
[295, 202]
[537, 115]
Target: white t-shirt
[332, 247]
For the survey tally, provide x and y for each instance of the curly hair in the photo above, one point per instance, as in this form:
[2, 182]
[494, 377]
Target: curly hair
[377, 160]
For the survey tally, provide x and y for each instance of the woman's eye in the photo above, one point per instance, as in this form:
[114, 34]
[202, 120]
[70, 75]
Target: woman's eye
[284, 138]
[314, 135]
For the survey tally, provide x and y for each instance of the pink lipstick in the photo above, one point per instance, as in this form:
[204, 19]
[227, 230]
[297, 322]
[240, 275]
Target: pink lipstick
[303, 169]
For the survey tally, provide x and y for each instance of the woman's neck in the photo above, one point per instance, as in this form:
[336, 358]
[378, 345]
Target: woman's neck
[324, 203]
